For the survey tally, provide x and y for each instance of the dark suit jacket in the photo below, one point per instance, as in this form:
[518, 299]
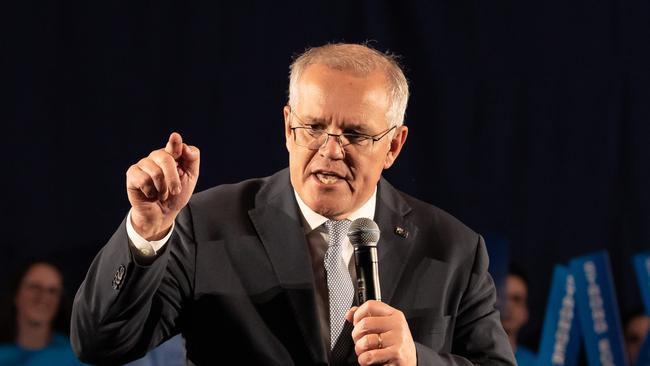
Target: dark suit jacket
[236, 275]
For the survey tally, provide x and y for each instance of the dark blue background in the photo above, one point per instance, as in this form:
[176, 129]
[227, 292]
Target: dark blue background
[528, 119]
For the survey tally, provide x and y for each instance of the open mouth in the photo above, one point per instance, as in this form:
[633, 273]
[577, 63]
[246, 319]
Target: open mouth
[327, 178]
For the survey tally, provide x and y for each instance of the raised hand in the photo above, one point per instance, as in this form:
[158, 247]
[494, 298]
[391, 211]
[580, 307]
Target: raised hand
[160, 185]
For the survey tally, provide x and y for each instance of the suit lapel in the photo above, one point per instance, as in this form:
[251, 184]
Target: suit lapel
[393, 249]
[396, 239]
[279, 227]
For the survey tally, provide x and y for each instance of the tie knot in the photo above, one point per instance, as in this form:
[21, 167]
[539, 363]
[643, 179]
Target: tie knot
[337, 230]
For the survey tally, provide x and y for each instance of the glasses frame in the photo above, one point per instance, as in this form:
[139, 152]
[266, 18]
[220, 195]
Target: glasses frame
[373, 138]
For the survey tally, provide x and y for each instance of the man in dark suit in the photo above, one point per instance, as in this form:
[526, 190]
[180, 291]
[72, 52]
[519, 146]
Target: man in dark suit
[258, 272]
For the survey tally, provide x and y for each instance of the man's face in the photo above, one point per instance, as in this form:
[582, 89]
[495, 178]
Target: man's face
[335, 181]
[515, 314]
[39, 293]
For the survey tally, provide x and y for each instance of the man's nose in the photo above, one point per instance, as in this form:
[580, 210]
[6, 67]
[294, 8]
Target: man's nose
[332, 148]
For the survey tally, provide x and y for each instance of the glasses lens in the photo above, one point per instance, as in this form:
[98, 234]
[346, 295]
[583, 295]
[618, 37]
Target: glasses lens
[356, 140]
[309, 138]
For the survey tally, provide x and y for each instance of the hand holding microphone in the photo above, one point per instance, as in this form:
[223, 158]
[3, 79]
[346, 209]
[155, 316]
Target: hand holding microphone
[381, 334]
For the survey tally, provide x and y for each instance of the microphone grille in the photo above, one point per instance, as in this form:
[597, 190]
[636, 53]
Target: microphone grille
[363, 231]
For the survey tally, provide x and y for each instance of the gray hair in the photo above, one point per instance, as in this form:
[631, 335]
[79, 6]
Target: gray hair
[358, 59]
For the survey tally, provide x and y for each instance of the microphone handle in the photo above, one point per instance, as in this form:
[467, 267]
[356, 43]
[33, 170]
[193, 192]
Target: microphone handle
[367, 273]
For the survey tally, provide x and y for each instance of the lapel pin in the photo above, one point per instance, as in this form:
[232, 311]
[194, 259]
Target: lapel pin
[401, 232]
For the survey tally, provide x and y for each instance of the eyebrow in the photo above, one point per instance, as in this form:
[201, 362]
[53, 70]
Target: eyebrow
[358, 127]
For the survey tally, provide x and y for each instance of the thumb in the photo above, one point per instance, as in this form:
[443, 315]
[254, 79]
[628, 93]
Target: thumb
[191, 157]
[349, 315]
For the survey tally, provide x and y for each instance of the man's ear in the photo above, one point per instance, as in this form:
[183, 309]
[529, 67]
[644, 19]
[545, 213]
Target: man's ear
[287, 126]
[396, 144]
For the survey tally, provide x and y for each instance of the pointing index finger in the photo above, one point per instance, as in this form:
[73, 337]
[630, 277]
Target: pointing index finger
[174, 146]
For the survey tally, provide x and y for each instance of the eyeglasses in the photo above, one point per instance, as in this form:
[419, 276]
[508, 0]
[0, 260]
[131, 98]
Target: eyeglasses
[313, 136]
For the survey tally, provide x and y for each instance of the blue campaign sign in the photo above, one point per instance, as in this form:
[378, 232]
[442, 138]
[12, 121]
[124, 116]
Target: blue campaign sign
[560, 340]
[598, 310]
[642, 267]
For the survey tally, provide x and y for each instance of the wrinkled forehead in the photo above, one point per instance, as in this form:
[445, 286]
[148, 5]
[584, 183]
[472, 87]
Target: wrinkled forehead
[331, 94]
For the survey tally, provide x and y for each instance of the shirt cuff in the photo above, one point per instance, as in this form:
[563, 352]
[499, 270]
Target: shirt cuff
[145, 248]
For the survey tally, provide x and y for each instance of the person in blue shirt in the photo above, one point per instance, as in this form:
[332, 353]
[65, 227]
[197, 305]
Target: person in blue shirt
[33, 331]
[515, 314]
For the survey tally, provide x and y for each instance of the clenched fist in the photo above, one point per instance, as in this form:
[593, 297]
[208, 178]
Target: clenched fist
[160, 185]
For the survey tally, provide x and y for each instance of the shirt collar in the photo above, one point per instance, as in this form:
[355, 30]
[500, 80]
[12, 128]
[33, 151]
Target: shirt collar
[312, 220]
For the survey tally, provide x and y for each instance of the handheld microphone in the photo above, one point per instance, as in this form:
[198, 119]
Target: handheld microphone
[364, 235]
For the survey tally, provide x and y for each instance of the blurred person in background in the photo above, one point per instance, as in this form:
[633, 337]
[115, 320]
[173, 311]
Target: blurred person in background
[636, 329]
[35, 321]
[515, 314]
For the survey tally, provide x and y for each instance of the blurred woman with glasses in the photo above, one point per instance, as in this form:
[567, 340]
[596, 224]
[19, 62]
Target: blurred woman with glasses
[35, 323]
